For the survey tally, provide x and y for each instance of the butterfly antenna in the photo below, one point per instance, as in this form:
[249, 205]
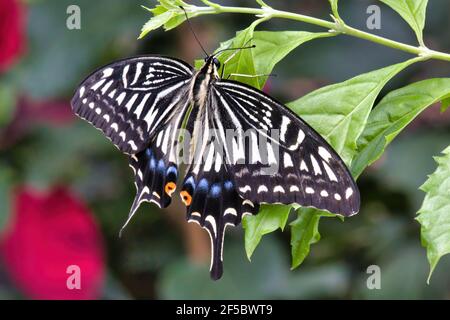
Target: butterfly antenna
[235, 49]
[193, 32]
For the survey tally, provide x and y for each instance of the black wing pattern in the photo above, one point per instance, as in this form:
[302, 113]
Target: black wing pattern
[277, 157]
[156, 167]
[140, 103]
[209, 190]
[131, 99]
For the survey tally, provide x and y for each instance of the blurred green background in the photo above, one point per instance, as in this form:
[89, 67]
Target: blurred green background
[158, 255]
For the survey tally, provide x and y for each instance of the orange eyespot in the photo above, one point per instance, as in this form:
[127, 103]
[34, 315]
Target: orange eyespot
[186, 198]
[170, 188]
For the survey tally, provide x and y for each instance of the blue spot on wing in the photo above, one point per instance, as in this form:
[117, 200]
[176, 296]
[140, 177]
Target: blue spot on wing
[203, 184]
[152, 163]
[161, 165]
[228, 185]
[191, 182]
[215, 190]
[172, 169]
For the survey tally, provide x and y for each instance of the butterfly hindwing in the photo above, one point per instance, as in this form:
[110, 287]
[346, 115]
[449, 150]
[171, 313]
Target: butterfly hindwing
[209, 190]
[130, 99]
[156, 167]
[155, 177]
[213, 202]
[279, 158]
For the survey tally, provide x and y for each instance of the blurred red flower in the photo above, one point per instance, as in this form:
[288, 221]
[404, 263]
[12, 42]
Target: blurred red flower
[48, 234]
[12, 28]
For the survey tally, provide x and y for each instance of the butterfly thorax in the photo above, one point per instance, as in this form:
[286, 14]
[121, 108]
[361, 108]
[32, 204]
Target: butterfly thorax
[203, 79]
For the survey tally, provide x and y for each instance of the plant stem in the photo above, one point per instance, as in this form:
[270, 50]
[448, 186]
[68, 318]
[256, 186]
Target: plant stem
[333, 26]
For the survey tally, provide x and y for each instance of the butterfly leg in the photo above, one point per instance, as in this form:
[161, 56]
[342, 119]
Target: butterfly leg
[234, 54]
[250, 75]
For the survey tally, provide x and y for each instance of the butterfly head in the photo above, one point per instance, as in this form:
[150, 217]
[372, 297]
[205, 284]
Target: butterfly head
[216, 62]
[213, 60]
[211, 67]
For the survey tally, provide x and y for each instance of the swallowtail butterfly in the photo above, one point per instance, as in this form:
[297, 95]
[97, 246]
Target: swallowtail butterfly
[148, 105]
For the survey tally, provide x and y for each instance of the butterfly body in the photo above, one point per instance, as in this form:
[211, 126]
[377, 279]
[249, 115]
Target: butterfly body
[203, 79]
[241, 147]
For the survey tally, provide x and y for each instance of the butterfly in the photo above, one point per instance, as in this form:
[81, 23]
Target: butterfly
[150, 106]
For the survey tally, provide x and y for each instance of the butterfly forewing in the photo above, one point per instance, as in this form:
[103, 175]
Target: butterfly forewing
[279, 158]
[131, 99]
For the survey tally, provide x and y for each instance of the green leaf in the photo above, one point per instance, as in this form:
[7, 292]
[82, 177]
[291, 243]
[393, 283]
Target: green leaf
[413, 12]
[156, 22]
[434, 215]
[269, 219]
[339, 112]
[394, 112]
[445, 103]
[167, 14]
[304, 233]
[243, 61]
[271, 48]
